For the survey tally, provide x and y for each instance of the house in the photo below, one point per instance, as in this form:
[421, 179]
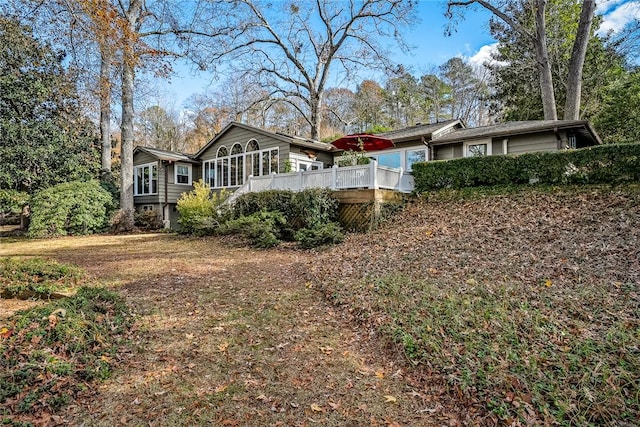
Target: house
[159, 179]
[513, 138]
[240, 151]
[246, 158]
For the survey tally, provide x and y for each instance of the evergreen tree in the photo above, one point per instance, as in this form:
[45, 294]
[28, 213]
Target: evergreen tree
[44, 137]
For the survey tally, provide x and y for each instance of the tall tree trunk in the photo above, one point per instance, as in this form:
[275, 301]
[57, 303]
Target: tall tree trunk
[574, 80]
[544, 66]
[315, 116]
[126, 127]
[126, 153]
[105, 110]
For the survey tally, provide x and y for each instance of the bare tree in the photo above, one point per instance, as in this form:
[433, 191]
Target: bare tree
[294, 48]
[538, 39]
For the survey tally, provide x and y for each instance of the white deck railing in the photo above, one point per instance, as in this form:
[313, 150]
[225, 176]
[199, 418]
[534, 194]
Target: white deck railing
[370, 176]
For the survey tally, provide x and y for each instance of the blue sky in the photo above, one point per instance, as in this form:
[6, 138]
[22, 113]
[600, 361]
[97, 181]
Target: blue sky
[431, 47]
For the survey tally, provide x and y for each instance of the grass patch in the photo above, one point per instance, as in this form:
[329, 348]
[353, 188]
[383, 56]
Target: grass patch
[50, 354]
[25, 278]
[535, 353]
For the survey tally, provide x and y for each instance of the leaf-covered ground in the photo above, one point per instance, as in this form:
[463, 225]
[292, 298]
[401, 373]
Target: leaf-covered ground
[526, 303]
[233, 336]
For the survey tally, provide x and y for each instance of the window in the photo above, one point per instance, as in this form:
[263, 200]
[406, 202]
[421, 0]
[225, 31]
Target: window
[391, 160]
[414, 156]
[145, 179]
[183, 174]
[230, 169]
[477, 148]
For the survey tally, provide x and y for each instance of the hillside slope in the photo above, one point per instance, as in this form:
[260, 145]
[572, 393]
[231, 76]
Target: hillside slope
[528, 302]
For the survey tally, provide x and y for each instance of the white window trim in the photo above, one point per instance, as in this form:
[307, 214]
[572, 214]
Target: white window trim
[298, 159]
[213, 164]
[135, 178]
[175, 173]
[466, 145]
[403, 154]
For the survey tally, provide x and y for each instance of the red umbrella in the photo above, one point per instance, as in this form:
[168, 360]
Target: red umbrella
[363, 142]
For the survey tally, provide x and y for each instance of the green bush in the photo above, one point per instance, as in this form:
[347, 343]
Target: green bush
[11, 203]
[303, 209]
[200, 209]
[69, 208]
[263, 228]
[323, 234]
[606, 164]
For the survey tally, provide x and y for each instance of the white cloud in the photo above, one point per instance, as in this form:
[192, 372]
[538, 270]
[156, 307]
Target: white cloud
[484, 55]
[617, 14]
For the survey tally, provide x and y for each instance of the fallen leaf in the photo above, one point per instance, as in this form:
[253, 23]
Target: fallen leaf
[316, 408]
[390, 399]
[326, 350]
[223, 347]
[334, 405]
[380, 374]
[548, 283]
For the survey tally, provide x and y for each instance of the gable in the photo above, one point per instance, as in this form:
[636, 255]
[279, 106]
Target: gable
[240, 135]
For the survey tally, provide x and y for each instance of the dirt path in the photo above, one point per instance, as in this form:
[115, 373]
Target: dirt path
[231, 336]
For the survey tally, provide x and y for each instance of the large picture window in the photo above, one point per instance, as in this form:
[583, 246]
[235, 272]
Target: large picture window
[145, 179]
[232, 168]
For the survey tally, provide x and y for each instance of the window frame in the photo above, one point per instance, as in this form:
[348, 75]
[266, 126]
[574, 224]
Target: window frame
[220, 168]
[189, 173]
[467, 144]
[151, 166]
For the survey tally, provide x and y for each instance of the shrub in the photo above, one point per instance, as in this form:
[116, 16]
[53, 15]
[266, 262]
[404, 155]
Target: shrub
[122, 221]
[606, 164]
[69, 208]
[303, 209]
[200, 209]
[263, 228]
[323, 234]
[148, 220]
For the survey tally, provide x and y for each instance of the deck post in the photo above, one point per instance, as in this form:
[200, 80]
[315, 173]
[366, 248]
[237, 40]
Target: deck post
[374, 175]
[400, 179]
[300, 180]
[273, 181]
[334, 177]
[249, 183]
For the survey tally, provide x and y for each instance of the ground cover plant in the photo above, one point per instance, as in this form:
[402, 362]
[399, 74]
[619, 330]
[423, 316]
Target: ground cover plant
[527, 302]
[25, 278]
[50, 354]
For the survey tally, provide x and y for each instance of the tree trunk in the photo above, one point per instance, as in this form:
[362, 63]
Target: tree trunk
[126, 153]
[544, 66]
[105, 110]
[316, 118]
[126, 128]
[574, 80]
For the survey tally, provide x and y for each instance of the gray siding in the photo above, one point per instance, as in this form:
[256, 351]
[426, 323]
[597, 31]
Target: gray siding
[545, 141]
[243, 136]
[321, 156]
[174, 191]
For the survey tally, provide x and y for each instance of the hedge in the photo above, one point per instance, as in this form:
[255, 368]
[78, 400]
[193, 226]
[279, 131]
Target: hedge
[604, 164]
